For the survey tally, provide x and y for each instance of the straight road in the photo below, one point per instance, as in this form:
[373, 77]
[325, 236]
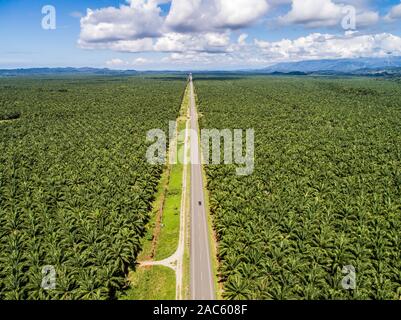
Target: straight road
[202, 284]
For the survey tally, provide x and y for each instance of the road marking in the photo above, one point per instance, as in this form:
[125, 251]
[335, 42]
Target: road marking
[198, 216]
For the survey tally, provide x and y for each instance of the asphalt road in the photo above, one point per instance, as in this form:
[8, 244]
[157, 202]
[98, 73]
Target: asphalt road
[202, 284]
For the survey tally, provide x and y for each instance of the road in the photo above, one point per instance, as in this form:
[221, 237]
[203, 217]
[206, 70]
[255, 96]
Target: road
[202, 284]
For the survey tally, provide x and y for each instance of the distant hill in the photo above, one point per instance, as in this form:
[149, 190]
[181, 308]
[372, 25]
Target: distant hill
[336, 65]
[64, 71]
[375, 67]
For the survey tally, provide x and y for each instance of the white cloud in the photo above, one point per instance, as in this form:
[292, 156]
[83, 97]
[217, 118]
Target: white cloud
[212, 42]
[325, 13]
[209, 32]
[239, 13]
[189, 58]
[313, 13]
[191, 25]
[182, 42]
[367, 18]
[394, 14]
[261, 53]
[140, 60]
[115, 63]
[140, 45]
[209, 15]
[325, 46]
[141, 19]
[119, 63]
[138, 20]
[184, 15]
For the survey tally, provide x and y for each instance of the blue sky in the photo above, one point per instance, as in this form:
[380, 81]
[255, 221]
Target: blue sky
[195, 34]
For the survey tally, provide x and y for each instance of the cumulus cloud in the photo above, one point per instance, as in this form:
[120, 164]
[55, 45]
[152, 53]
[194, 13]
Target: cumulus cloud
[115, 62]
[239, 13]
[367, 18]
[208, 15]
[261, 53]
[324, 46]
[138, 20]
[140, 45]
[119, 63]
[140, 60]
[313, 46]
[181, 42]
[211, 31]
[194, 25]
[138, 25]
[394, 14]
[325, 13]
[204, 58]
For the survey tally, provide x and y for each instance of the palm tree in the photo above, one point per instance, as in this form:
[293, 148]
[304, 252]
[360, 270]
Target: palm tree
[237, 289]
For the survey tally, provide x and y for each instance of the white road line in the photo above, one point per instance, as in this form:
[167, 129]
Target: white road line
[199, 235]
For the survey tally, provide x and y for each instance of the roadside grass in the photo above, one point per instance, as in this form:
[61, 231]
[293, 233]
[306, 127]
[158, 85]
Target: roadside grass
[151, 283]
[170, 227]
[170, 223]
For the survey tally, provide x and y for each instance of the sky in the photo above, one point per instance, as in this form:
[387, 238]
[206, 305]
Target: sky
[194, 34]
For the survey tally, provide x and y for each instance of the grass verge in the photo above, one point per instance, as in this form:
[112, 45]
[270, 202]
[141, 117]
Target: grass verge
[151, 283]
[170, 224]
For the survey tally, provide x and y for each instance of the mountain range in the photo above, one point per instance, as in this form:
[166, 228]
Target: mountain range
[64, 71]
[359, 65]
[390, 66]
